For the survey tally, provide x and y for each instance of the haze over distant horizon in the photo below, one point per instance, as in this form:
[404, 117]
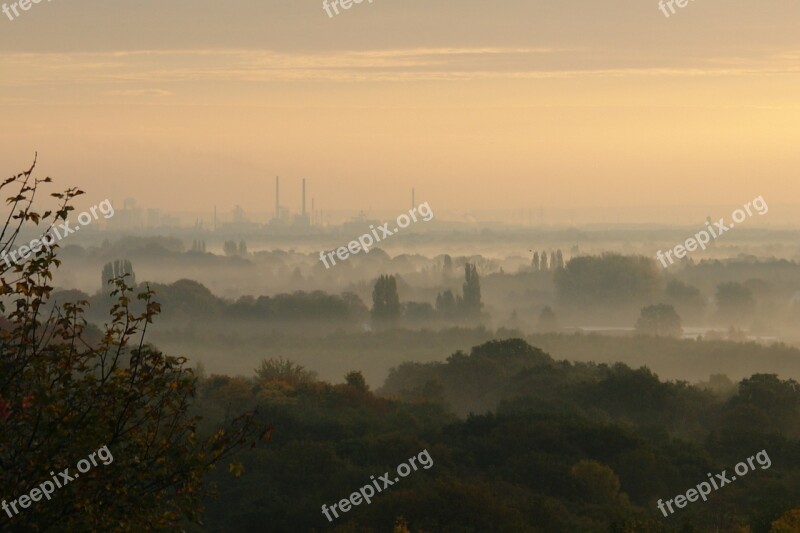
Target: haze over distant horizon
[568, 105]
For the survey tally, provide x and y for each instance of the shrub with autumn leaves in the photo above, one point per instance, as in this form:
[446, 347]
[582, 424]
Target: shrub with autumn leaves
[64, 393]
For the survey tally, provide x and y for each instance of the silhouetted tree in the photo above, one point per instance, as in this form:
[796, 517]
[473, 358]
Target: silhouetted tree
[230, 248]
[607, 280]
[418, 311]
[356, 380]
[447, 267]
[283, 370]
[598, 483]
[659, 319]
[446, 304]
[385, 301]
[535, 261]
[543, 263]
[471, 301]
[687, 299]
[117, 269]
[64, 394]
[735, 303]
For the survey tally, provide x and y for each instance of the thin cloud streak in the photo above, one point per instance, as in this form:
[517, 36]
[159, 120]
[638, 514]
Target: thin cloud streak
[419, 64]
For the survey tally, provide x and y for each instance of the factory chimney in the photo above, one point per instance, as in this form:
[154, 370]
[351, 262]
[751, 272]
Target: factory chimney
[304, 198]
[277, 197]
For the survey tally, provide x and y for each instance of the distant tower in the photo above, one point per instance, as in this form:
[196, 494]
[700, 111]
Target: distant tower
[277, 197]
[304, 198]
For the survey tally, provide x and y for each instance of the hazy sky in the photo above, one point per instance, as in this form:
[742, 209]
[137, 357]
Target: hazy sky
[479, 104]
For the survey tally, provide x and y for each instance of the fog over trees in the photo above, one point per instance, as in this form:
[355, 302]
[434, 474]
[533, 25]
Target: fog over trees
[407, 267]
[601, 366]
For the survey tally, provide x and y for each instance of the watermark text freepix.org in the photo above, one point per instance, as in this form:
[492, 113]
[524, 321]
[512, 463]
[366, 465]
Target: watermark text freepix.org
[24, 251]
[345, 4]
[48, 487]
[718, 481]
[703, 237]
[663, 4]
[365, 241]
[367, 492]
[23, 5]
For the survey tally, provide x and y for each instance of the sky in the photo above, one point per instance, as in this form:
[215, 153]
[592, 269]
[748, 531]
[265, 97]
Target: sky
[480, 105]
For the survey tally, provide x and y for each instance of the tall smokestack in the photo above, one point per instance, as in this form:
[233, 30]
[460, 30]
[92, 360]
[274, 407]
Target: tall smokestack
[277, 197]
[304, 198]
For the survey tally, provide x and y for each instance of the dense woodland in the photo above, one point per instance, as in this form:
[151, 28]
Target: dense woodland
[531, 424]
[544, 255]
[520, 442]
[586, 440]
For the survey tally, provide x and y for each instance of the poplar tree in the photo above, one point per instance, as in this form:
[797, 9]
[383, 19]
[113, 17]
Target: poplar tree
[471, 301]
[385, 301]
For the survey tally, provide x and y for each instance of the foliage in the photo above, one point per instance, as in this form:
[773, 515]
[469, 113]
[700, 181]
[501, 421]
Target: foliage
[472, 292]
[117, 269]
[568, 448]
[356, 380]
[735, 303]
[598, 482]
[686, 298]
[609, 279]
[447, 304]
[466, 306]
[789, 522]
[385, 301]
[230, 249]
[659, 319]
[191, 300]
[447, 266]
[418, 312]
[283, 370]
[64, 394]
[674, 358]
[401, 526]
